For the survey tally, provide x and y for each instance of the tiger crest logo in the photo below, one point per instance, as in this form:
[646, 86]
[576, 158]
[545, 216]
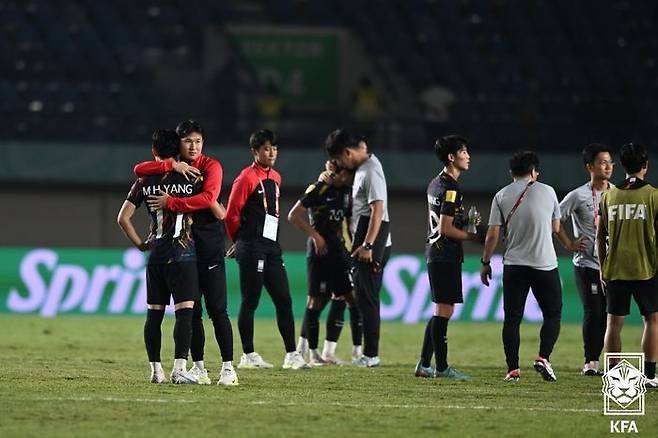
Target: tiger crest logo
[624, 385]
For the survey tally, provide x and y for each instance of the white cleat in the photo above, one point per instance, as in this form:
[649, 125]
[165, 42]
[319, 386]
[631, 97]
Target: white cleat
[331, 359]
[651, 383]
[201, 375]
[356, 359]
[294, 361]
[182, 377]
[368, 362]
[253, 360]
[158, 376]
[316, 359]
[228, 377]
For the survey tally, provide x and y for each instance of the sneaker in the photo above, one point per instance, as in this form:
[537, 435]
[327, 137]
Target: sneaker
[294, 361]
[201, 375]
[182, 377]
[331, 359]
[422, 371]
[253, 360]
[368, 362]
[589, 371]
[316, 359]
[158, 376]
[651, 383]
[228, 377]
[452, 374]
[513, 376]
[543, 367]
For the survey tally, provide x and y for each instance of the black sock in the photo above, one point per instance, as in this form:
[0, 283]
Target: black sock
[198, 333]
[440, 341]
[312, 325]
[428, 349]
[335, 320]
[153, 334]
[356, 325]
[182, 333]
[649, 369]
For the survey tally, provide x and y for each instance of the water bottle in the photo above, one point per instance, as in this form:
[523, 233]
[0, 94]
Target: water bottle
[473, 216]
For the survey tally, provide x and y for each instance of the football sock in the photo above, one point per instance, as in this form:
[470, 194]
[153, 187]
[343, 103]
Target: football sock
[153, 334]
[649, 369]
[182, 333]
[199, 364]
[335, 320]
[440, 340]
[180, 364]
[227, 365]
[312, 324]
[329, 348]
[156, 366]
[428, 349]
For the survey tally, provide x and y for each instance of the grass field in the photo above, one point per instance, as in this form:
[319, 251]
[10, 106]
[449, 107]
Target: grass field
[87, 376]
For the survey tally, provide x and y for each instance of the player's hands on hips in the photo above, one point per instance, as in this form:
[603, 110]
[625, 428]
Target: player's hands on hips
[485, 274]
[320, 244]
[578, 245]
[362, 254]
[144, 246]
[189, 172]
[157, 202]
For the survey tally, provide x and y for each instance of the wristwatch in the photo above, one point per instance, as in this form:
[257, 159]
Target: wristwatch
[485, 263]
[367, 245]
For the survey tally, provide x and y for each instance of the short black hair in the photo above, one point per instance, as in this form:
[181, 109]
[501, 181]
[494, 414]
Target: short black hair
[592, 150]
[187, 127]
[339, 140]
[522, 163]
[260, 137]
[165, 143]
[634, 157]
[449, 144]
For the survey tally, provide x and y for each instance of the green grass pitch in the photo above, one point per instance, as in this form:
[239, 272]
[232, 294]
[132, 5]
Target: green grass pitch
[87, 376]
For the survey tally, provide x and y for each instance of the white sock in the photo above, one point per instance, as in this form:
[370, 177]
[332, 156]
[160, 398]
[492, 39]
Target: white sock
[199, 364]
[227, 365]
[156, 366]
[329, 348]
[302, 345]
[357, 351]
[180, 364]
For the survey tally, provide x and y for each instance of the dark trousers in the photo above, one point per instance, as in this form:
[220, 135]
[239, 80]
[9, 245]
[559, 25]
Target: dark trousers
[546, 287]
[212, 282]
[262, 265]
[594, 305]
[367, 279]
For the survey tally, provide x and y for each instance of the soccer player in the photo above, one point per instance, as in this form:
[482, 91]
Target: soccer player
[208, 231]
[528, 213]
[582, 205]
[329, 206]
[370, 227]
[444, 253]
[171, 267]
[626, 240]
[252, 222]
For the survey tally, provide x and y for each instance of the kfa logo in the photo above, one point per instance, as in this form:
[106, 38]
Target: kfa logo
[623, 389]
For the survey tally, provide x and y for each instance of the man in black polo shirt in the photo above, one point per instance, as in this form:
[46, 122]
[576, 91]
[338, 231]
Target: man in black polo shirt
[445, 254]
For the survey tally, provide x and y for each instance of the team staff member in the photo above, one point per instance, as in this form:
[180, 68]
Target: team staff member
[252, 221]
[444, 254]
[208, 231]
[329, 206]
[171, 267]
[370, 227]
[582, 205]
[528, 213]
[626, 240]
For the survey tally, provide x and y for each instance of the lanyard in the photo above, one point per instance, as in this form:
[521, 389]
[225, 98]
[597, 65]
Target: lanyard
[262, 187]
[596, 205]
[518, 202]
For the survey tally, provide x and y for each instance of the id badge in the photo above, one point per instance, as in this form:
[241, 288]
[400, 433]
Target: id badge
[271, 227]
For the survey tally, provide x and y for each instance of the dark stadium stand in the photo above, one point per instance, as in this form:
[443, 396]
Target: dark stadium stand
[550, 75]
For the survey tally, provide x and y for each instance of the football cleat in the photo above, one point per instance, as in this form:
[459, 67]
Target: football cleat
[651, 383]
[513, 376]
[228, 377]
[182, 377]
[294, 361]
[316, 360]
[589, 371]
[253, 360]
[201, 375]
[331, 359]
[452, 374]
[422, 371]
[543, 367]
[368, 362]
[158, 376]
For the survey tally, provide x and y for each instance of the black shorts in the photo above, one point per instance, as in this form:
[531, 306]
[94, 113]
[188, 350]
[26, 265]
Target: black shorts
[446, 282]
[328, 275]
[618, 294]
[179, 280]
